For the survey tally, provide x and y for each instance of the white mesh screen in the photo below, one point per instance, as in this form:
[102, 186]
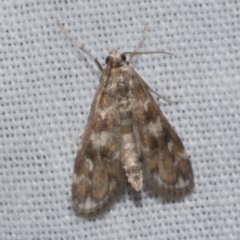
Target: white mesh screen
[46, 90]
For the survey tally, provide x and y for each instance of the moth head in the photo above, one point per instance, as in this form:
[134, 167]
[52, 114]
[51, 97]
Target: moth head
[116, 58]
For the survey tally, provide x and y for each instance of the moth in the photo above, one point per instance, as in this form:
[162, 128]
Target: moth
[125, 130]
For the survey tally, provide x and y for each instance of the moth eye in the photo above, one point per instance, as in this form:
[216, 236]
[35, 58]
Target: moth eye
[123, 58]
[107, 60]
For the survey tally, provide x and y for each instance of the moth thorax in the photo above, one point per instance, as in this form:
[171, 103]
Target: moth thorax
[122, 88]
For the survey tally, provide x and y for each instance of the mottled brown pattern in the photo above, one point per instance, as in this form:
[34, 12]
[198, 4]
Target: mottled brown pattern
[149, 141]
[168, 162]
[167, 175]
[80, 167]
[106, 124]
[177, 147]
[161, 162]
[126, 129]
[123, 118]
[80, 191]
[103, 101]
[184, 168]
[138, 88]
[122, 89]
[150, 114]
[105, 164]
[100, 183]
[166, 169]
[152, 160]
[112, 169]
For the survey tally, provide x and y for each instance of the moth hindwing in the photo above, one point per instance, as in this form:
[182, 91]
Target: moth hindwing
[125, 127]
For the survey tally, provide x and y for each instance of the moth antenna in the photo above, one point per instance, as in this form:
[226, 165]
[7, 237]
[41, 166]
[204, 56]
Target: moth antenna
[78, 45]
[144, 34]
[76, 137]
[149, 52]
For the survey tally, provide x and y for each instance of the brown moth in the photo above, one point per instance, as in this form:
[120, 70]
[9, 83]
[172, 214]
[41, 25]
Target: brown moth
[125, 128]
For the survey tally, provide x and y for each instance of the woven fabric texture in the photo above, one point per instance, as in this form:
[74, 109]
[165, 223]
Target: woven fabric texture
[46, 90]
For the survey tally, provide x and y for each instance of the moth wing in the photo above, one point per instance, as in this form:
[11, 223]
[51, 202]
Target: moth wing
[167, 162]
[97, 165]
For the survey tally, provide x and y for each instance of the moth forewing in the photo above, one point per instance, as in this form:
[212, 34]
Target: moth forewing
[162, 150]
[97, 166]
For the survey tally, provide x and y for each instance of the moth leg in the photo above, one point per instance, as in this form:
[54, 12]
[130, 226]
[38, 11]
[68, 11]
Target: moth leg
[78, 45]
[76, 136]
[144, 34]
[165, 99]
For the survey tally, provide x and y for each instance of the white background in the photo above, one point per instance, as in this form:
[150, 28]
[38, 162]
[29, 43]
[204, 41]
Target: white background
[46, 90]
